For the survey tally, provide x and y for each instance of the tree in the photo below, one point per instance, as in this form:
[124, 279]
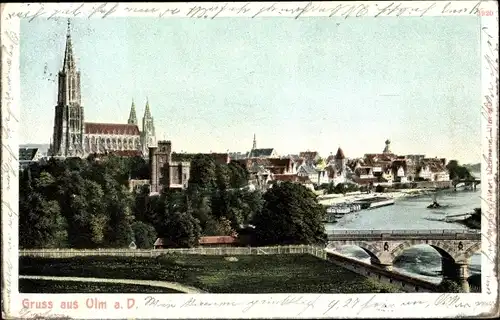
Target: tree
[457, 171]
[291, 215]
[41, 224]
[218, 227]
[181, 228]
[238, 175]
[449, 286]
[201, 174]
[144, 234]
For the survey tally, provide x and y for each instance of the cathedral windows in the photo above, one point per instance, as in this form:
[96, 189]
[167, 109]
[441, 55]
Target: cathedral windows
[73, 89]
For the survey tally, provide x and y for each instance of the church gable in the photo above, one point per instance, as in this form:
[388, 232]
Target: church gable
[112, 129]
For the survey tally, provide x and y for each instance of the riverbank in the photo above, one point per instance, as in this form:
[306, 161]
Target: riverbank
[332, 199]
[472, 222]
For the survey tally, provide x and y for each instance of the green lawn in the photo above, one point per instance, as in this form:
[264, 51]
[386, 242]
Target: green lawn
[48, 286]
[298, 273]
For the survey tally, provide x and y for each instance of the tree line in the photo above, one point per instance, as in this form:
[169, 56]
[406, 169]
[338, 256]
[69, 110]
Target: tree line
[86, 203]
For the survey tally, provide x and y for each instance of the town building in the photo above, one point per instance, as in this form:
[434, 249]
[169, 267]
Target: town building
[261, 152]
[73, 137]
[171, 170]
[336, 168]
[164, 171]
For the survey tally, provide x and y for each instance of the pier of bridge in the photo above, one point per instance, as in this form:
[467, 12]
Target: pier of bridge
[456, 247]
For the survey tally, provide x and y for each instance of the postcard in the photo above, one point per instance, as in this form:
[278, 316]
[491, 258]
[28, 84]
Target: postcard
[249, 160]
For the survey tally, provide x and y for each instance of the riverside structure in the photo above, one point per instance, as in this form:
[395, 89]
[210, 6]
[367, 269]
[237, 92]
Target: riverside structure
[456, 247]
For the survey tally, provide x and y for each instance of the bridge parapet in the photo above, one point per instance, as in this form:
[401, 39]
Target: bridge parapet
[447, 234]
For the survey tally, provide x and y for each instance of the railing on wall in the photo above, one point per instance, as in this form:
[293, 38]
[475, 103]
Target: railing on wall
[67, 253]
[451, 234]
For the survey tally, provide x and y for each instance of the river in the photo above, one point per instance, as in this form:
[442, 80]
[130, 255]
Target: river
[410, 214]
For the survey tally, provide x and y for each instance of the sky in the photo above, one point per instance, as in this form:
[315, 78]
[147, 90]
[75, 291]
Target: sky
[308, 84]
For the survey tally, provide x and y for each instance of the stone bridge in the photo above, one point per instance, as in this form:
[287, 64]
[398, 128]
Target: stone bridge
[456, 247]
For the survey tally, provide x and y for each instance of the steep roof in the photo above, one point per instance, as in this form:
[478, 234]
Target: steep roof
[266, 152]
[340, 154]
[27, 154]
[308, 155]
[307, 169]
[112, 129]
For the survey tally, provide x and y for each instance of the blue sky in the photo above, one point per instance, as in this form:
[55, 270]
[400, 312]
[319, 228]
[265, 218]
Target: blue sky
[306, 84]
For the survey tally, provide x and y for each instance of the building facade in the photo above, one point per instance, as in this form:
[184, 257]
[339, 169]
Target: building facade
[164, 171]
[73, 137]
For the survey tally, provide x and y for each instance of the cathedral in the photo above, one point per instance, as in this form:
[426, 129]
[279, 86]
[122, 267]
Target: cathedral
[73, 137]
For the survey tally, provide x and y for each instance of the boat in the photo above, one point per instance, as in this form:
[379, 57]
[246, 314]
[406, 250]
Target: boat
[375, 202]
[437, 206]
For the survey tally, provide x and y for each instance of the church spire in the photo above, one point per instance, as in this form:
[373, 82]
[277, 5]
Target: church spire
[132, 119]
[69, 60]
[147, 112]
[254, 146]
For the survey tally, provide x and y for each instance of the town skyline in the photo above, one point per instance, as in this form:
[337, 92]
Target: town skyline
[210, 102]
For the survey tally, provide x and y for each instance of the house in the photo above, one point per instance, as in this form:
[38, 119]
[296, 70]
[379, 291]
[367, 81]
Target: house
[309, 171]
[323, 177]
[399, 170]
[364, 172]
[218, 241]
[211, 241]
[434, 169]
[285, 178]
[281, 165]
[310, 157]
[136, 185]
[337, 168]
[263, 153]
[164, 243]
[28, 156]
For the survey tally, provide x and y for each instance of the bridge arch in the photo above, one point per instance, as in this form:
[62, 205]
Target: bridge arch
[444, 248]
[370, 249]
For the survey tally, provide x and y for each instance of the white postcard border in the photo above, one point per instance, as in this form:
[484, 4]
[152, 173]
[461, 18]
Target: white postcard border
[244, 305]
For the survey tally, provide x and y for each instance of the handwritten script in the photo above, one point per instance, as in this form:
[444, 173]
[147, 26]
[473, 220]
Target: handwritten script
[490, 147]
[319, 305]
[10, 43]
[244, 9]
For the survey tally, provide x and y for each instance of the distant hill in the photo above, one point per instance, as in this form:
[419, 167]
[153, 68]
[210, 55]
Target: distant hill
[473, 167]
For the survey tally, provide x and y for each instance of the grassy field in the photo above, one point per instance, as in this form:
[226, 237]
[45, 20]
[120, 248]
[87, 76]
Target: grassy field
[300, 273]
[47, 286]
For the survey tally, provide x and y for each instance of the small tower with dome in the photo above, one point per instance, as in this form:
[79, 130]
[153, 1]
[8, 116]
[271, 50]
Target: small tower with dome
[387, 148]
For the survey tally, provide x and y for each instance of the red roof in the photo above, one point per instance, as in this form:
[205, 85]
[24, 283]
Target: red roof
[308, 155]
[112, 128]
[217, 239]
[286, 177]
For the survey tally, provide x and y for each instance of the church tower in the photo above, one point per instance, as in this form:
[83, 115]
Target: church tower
[69, 121]
[132, 118]
[148, 131]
